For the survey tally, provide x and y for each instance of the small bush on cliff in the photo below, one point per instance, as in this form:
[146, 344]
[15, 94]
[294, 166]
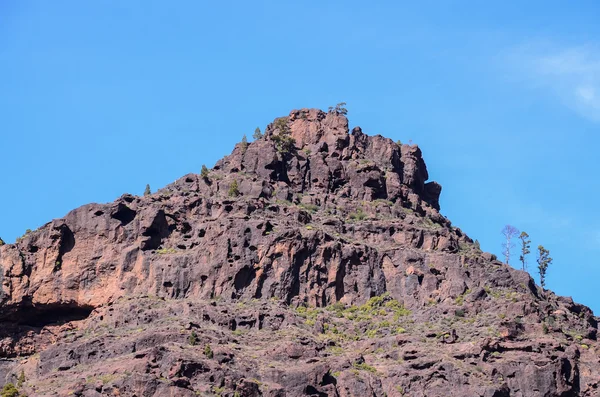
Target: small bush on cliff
[283, 141]
[193, 339]
[204, 172]
[244, 143]
[1, 242]
[282, 125]
[208, 352]
[359, 215]
[234, 189]
[340, 109]
[9, 390]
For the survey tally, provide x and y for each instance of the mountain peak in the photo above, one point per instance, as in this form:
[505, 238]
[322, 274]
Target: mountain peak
[312, 261]
[328, 160]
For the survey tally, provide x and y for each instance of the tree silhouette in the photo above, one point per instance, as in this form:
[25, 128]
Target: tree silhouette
[147, 191]
[543, 261]
[509, 232]
[204, 172]
[525, 245]
[339, 109]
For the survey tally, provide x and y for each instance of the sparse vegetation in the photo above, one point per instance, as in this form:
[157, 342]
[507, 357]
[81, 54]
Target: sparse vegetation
[509, 232]
[309, 207]
[193, 339]
[1, 242]
[543, 261]
[234, 189]
[359, 215]
[9, 390]
[244, 143]
[283, 141]
[208, 352]
[525, 245]
[163, 251]
[339, 109]
[21, 379]
[204, 172]
[364, 367]
[257, 134]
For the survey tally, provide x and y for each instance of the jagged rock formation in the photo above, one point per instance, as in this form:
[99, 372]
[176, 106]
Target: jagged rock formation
[329, 271]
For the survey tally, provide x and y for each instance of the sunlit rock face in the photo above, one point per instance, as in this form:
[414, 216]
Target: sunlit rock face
[321, 266]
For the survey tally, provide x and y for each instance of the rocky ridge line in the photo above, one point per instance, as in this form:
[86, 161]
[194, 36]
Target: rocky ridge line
[342, 232]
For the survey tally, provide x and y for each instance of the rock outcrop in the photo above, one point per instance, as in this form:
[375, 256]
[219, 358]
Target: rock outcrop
[327, 271]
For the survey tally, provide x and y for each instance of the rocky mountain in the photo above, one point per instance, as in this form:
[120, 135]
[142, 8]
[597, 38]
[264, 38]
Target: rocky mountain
[313, 261]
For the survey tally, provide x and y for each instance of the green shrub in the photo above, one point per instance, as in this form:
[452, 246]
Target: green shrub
[364, 367]
[204, 172]
[21, 380]
[339, 109]
[233, 189]
[208, 352]
[309, 207]
[193, 339]
[359, 215]
[283, 141]
[282, 125]
[1, 242]
[9, 390]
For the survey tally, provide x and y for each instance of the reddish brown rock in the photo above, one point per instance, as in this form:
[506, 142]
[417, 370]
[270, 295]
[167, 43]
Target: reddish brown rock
[332, 272]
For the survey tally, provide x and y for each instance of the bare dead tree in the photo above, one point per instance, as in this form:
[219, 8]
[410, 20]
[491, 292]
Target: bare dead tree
[509, 232]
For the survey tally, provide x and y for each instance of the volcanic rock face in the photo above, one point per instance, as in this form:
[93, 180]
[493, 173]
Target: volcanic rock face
[328, 271]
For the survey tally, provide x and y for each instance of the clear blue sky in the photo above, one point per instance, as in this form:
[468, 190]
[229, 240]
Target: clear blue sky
[100, 98]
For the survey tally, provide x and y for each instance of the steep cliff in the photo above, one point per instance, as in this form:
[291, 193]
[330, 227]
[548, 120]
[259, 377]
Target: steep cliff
[311, 262]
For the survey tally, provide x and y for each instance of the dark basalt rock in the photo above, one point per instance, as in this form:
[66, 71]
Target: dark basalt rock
[332, 273]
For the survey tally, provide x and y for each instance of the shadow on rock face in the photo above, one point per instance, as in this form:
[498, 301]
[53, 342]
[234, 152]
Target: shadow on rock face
[38, 316]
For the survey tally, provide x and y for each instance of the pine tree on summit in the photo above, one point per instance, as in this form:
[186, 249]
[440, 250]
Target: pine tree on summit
[147, 191]
[525, 245]
[543, 261]
[204, 172]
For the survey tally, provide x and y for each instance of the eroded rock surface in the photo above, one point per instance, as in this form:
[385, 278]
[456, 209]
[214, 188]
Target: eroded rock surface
[329, 271]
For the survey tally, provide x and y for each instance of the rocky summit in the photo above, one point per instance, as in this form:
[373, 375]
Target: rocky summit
[312, 261]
